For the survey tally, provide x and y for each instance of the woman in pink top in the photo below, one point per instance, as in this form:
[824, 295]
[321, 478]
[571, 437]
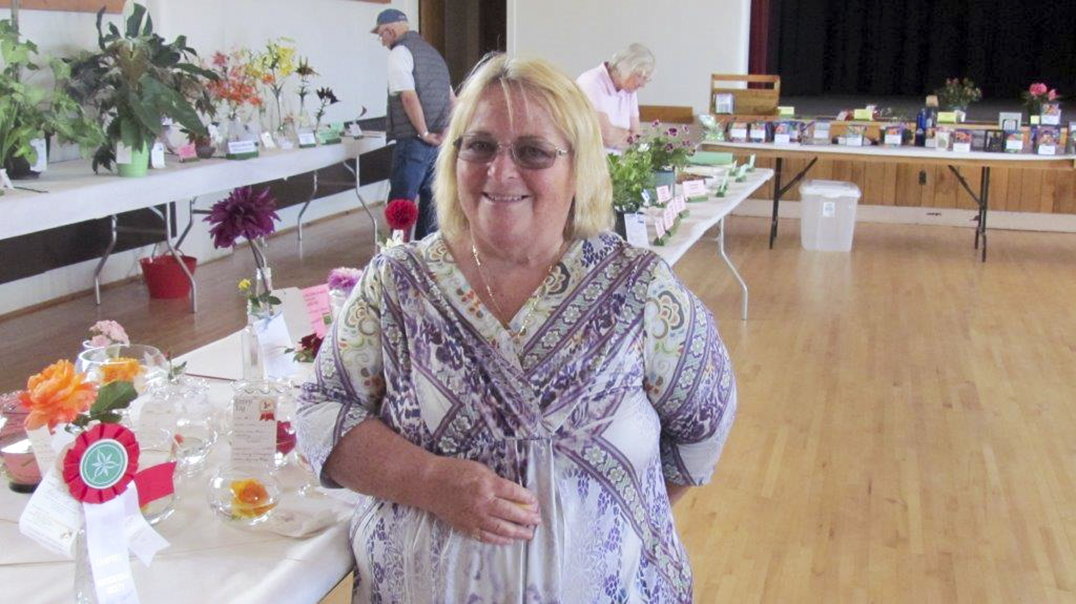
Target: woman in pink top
[611, 88]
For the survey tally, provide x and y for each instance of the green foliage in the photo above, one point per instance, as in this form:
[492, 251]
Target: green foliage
[111, 399]
[29, 111]
[668, 149]
[135, 79]
[958, 94]
[630, 173]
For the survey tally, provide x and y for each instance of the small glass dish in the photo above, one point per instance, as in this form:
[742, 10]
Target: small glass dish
[103, 365]
[244, 495]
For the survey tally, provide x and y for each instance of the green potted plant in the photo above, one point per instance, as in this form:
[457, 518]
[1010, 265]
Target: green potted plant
[134, 80]
[29, 112]
[668, 149]
[631, 174]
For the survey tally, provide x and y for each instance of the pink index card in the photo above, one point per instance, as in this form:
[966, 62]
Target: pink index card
[186, 151]
[664, 194]
[694, 188]
[317, 307]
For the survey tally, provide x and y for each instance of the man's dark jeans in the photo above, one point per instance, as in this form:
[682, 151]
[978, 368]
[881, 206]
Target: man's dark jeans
[412, 177]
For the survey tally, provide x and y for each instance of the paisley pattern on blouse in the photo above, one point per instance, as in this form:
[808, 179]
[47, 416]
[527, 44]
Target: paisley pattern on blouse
[620, 385]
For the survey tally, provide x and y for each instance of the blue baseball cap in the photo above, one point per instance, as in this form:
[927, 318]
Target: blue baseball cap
[389, 15]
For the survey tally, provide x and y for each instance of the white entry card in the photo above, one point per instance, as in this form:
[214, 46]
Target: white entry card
[668, 216]
[962, 147]
[273, 340]
[1047, 149]
[42, 152]
[782, 139]
[253, 430]
[854, 140]
[758, 133]
[1014, 145]
[893, 139]
[635, 228]
[659, 227]
[156, 156]
[664, 194]
[123, 154]
[738, 133]
[52, 517]
[307, 138]
[267, 140]
[694, 188]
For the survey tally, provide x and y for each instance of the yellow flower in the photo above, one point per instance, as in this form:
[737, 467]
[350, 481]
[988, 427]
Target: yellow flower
[244, 285]
[121, 369]
[250, 499]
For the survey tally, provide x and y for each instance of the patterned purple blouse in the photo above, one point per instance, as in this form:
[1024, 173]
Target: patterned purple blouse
[621, 384]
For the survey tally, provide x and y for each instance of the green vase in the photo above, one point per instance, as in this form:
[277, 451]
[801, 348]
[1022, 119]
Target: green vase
[138, 166]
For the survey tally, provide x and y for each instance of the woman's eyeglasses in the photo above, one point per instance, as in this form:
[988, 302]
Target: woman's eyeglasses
[528, 153]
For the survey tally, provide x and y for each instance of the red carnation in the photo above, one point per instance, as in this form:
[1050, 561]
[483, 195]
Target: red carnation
[401, 214]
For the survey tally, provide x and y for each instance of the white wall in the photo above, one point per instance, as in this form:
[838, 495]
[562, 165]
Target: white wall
[690, 39]
[334, 34]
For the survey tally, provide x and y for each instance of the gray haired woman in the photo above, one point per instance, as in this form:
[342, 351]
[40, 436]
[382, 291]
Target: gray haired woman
[611, 88]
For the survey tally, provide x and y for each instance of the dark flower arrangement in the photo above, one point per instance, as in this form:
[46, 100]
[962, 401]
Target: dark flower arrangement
[327, 97]
[308, 349]
[244, 213]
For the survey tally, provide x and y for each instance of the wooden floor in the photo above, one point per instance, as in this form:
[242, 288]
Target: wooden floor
[907, 425]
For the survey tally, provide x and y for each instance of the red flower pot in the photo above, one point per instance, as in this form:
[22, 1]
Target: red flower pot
[165, 278]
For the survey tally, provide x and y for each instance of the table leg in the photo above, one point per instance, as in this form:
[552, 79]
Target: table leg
[362, 202]
[299, 220]
[735, 273]
[984, 205]
[101, 263]
[776, 198]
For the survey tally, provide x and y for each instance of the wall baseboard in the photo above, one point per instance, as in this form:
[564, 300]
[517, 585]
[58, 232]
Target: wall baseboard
[1011, 221]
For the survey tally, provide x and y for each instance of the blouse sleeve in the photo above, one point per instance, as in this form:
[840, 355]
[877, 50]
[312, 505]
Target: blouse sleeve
[688, 378]
[348, 384]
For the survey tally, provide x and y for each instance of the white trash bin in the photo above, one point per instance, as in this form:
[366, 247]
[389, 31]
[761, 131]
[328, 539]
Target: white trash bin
[829, 215]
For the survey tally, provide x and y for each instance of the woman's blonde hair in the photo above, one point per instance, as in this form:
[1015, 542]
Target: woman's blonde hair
[572, 115]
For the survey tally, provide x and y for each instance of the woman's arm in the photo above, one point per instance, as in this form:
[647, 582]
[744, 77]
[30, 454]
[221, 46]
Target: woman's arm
[374, 460]
[676, 491]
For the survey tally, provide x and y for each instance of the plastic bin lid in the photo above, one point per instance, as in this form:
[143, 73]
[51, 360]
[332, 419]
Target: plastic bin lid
[829, 188]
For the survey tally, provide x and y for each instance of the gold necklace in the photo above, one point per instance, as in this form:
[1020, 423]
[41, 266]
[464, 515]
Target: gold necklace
[531, 304]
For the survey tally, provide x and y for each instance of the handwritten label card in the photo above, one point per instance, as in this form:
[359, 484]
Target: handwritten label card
[253, 430]
[664, 194]
[52, 517]
[273, 340]
[635, 228]
[669, 218]
[317, 307]
[659, 227]
[242, 147]
[307, 139]
[694, 189]
[187, 152]
[679, 204]
[156, 156]
[42, 152]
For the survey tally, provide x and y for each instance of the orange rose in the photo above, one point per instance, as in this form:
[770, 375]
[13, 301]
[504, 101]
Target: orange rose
[250, 499]
[56, 395]
[121, 369]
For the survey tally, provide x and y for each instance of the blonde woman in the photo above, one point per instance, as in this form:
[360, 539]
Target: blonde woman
[521, 396]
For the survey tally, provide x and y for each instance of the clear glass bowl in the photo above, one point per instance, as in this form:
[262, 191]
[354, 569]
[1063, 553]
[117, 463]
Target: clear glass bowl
[243, 495]
[158, 446]
[99, 364]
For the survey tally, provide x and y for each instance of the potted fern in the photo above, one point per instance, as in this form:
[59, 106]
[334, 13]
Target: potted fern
[29, 111]
[134, 80]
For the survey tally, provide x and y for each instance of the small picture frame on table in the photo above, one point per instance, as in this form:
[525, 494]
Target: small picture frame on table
[738, 132]
[759, 132]
[994, 141]
[1014, 141]
[962, 140]
[1050, 114]
[893, 135]
[943, 137]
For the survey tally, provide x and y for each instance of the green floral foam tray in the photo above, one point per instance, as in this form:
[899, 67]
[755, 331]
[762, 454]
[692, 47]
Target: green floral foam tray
[710, 158]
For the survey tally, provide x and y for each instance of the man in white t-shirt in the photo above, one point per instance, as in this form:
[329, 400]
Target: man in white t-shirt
[611, 88]
[420, 100]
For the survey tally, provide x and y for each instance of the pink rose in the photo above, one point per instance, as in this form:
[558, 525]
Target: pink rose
[1037, 89]
[1052, 94]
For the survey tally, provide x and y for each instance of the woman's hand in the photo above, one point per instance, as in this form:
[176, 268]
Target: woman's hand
[479, 503]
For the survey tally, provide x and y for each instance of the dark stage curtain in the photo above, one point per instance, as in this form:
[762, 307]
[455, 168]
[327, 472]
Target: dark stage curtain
[909, 47]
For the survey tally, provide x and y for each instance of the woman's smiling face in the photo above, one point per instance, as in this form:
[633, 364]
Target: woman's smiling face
[508, 206]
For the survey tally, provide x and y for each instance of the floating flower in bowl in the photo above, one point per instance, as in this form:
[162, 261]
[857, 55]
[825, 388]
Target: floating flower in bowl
[245, 495]
[137, 363]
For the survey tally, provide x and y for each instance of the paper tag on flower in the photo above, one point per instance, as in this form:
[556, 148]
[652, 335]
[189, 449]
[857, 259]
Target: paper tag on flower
[664, 194]
[635, 230]
[274, 340]
[42, 152]
[123, 154]
[306, 139]
[106, 544]
[187, 152]
[41, 444]
[267, 140]
[156, 156]
[253, 430]
[52, 517]
[694, 189]
[317, 306]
